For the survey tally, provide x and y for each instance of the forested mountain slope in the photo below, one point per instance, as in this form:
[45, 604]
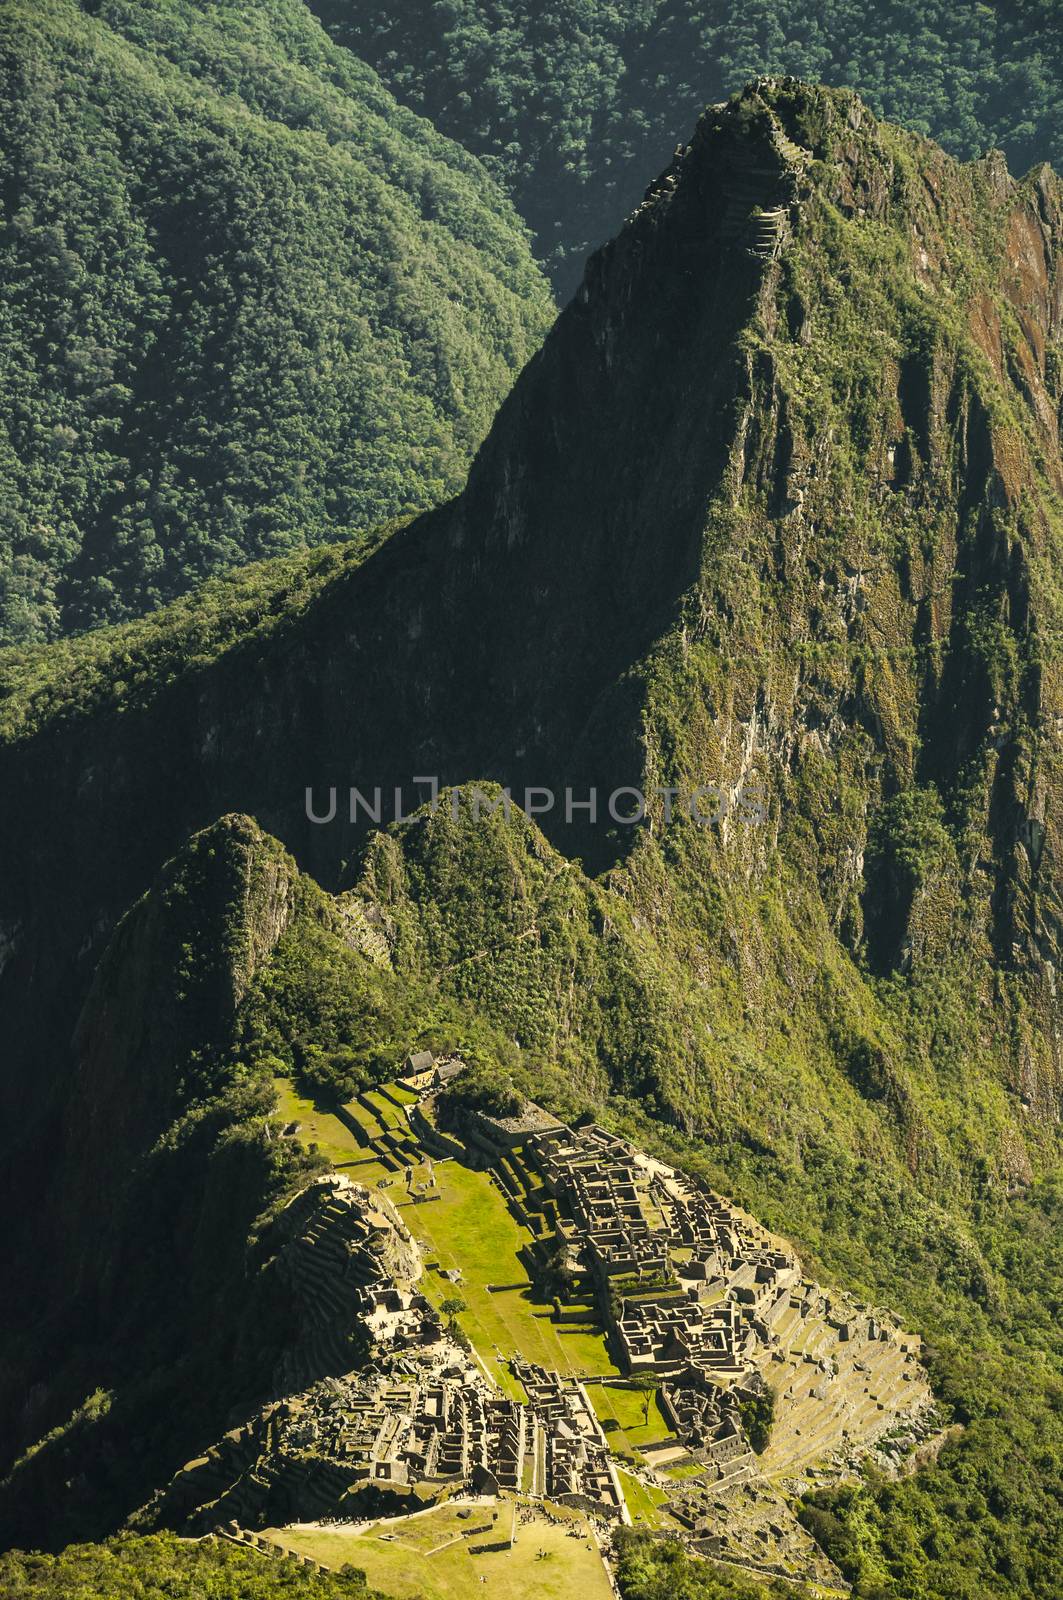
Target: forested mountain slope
[133, 1569]
[776, 505]
[247, 302]
[572, 102]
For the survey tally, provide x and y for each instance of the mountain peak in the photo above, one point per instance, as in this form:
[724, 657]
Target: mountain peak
[775, 498]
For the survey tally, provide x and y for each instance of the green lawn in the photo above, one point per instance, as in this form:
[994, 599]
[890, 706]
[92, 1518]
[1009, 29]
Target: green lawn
[406, 1097]
[627, 1408]
[388, 1115]
[472, 1228]
[410, 1563]
[368, 1119]
[333, 1138]
[644, 1502]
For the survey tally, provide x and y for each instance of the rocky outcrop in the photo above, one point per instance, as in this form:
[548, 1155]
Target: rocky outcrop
[340, 1243]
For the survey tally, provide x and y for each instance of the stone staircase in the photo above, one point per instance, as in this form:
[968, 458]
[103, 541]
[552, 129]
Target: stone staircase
[765, 233]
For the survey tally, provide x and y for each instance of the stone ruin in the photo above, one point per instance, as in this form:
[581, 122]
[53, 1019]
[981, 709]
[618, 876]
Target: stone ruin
[690, 1284]
[696, 1293]
[350, 1266]
[378, 1410]
[427, 1421]
[579, 1469]
[419, 1414]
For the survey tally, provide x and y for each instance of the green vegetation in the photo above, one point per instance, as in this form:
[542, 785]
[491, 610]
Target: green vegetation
[576, 105]
[1006, 1401]
[470, 1228]
[329, 1010]
[974, 1274]
[322, 1130]
[758, 1414]
[644, 1501]
[660, 1569]
[646, 1384]
[144, 1569]
[631, 1419]
[504, 925]
[484, 1086]
[174, 1197]
[45, 684]
[984, 1519]
[685, 1469]
[467, 1225]
[247, 302]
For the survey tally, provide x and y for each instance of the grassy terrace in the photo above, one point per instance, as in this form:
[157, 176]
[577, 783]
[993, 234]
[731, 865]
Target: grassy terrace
[471, 1227]
[333, 1138]
[621, 1412]
[434, 1556]
[645, 1503]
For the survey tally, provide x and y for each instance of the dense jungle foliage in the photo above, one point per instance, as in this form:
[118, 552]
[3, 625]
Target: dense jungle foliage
[576, 104]
[44, 683]
[660, 1569]
[144, 1569]
[247, 302]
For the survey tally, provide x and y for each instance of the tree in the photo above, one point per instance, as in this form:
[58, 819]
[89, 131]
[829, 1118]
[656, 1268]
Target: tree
[758, 1415]
[452, 1307]
[646, 1384]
